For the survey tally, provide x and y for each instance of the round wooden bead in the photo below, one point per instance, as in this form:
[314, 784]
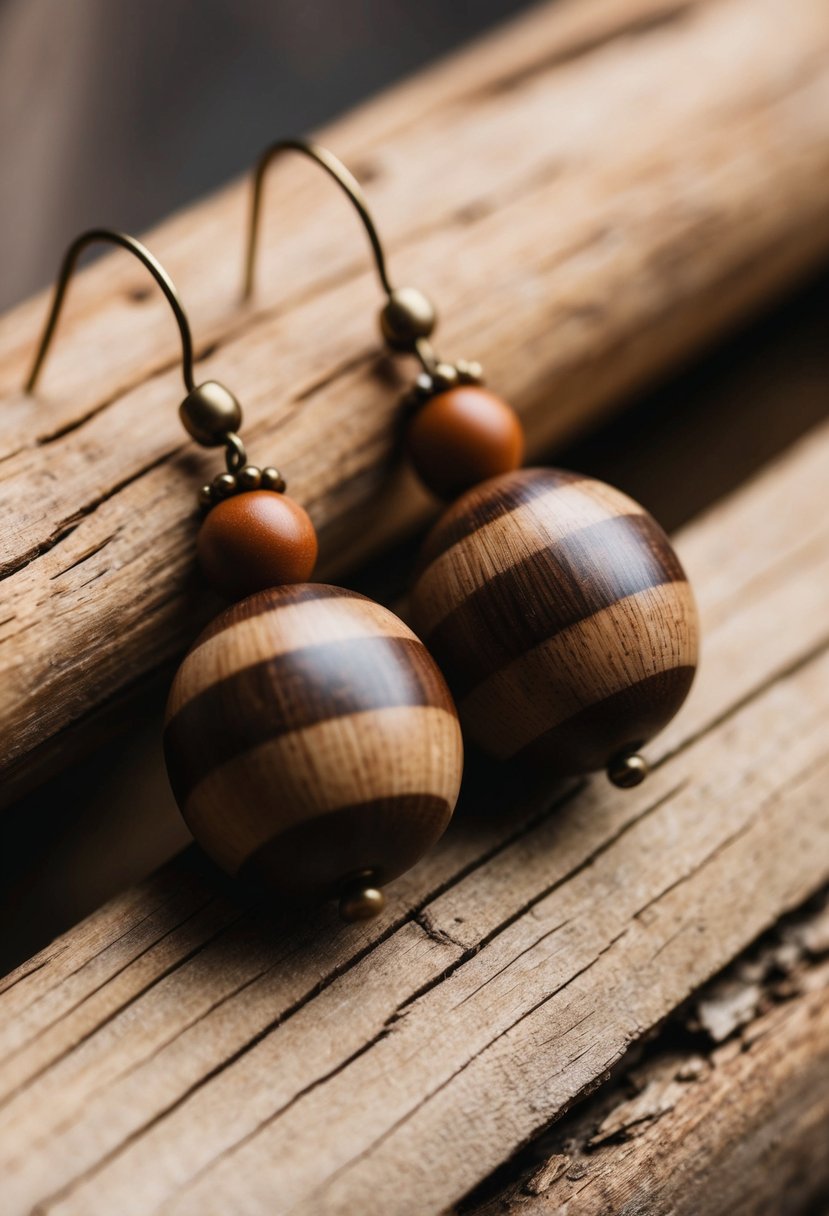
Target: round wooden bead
[560, 616]
[310, 741]
[464, 436]
[255, 540]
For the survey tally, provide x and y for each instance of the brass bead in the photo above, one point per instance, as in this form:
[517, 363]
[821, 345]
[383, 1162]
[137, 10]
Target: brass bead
[224, 485]
[407, 315]
[628, 770]
[469, 372]
[209, 413]
[445, 376]
[272, 479]
[250, 477]
[361, 903]
[206, 496]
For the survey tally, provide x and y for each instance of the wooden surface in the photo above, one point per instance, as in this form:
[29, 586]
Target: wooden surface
[589, 196]
[175, 1053]
[725, 1113]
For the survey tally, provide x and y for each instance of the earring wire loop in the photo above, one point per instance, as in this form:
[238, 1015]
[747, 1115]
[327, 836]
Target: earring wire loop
[70, 258]
[341, 175]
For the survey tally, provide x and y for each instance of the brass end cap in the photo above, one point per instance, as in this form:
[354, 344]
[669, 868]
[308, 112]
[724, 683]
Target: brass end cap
[628, 770]
[361, 902]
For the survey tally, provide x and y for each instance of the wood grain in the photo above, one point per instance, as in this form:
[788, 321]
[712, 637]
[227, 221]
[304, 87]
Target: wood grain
[561, 618]
[312, 743]
[175, 1053]
[725, 1112]
[633, 177]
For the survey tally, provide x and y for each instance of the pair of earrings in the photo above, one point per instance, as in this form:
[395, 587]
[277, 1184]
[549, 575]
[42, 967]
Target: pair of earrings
[312, 740]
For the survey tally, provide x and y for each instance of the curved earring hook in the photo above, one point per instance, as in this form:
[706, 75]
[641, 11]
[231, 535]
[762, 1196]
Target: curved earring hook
[155, 268]
[408, 317]
[344, 179]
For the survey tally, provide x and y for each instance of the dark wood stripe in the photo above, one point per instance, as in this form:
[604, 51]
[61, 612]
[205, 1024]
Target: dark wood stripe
[385, 835]
[293, 691]
[269, 599]
[489, 502]
[588, 740]
[552, 590]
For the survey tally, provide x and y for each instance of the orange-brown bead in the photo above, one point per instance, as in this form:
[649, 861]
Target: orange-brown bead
[464, 436]
[256, 540]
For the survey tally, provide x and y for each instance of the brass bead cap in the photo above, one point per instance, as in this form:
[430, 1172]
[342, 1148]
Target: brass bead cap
[209, 413]
[407, 316]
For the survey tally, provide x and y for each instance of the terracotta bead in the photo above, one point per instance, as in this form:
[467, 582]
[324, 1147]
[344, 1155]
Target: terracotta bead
[561, 618]
[312, 745]
[464, 436]
[256, 540]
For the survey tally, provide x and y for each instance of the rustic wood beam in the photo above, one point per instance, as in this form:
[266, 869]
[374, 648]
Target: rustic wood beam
[589, 194]
[176, 1053]
[725, 1112]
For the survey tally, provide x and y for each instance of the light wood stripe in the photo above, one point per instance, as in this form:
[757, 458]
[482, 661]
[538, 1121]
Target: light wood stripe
[535, 599]
[358, 758]
[513, 537]
[292, 691]
[279, 630]
[263, 601]
[561, 677]
[486, 502]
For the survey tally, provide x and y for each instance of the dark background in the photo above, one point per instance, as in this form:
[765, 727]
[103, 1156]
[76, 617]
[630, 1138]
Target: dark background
[115, 112]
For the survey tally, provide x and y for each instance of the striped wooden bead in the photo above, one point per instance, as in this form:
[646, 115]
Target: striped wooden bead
[560, 616]
[310, 740]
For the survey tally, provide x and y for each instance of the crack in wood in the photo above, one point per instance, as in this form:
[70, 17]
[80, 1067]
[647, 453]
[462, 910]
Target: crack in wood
[68, 525]
[675, 1071]
[318, 1192]
[14, 979]
[114, 1013]
[468, 953]
[95, 549]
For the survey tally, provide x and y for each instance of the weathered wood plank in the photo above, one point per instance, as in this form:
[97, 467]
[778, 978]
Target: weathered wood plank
[537, 1016]
[725, 1113]
[177, 1054]
[679, 200]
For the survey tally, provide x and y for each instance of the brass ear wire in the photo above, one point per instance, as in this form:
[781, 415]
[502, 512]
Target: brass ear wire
[67, 267]
[344, 178]
[209, 413]
[408, 317]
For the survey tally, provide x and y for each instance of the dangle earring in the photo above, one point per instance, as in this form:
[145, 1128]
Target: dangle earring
[554, 604]
[311, 742]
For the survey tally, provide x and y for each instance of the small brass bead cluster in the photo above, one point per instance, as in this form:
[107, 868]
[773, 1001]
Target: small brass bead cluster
[213, 416]
[444, 377]
[249, 477]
